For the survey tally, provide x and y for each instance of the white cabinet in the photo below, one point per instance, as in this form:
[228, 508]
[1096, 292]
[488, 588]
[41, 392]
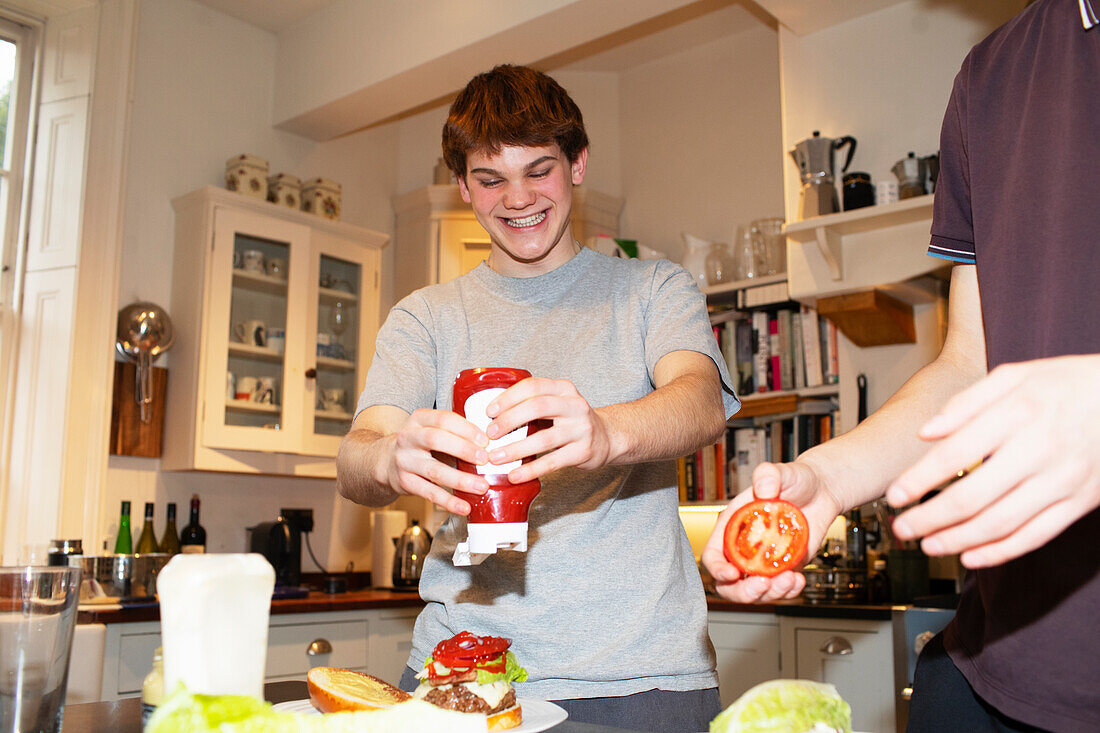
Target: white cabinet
[376, 641]
[747, 648]
[438, 238]
[854, 655]
[275, 313]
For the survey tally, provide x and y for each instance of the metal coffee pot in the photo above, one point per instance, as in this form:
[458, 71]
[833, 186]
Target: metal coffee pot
[816, 161]
[911, 172]
[412, 547]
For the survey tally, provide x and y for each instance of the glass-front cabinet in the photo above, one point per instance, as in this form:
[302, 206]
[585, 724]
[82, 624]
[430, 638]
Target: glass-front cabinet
[279, 309]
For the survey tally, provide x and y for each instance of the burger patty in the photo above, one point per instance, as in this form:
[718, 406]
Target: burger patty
[457, 697]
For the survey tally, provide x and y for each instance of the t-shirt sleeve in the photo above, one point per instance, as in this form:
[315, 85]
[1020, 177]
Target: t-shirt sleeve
[402, 372]
[677, 320]
[952, 221]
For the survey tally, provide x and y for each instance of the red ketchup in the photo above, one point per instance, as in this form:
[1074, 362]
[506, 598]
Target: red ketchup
[498, 519]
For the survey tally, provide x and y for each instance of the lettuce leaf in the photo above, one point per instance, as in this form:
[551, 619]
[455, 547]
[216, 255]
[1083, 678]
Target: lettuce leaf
[785, 706]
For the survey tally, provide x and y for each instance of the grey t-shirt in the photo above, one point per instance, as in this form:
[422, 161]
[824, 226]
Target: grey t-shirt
[607, 600]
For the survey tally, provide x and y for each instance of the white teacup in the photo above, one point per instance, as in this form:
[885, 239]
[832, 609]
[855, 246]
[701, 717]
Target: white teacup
[276, 340]
[265, 391]
[334, 399]
[254, 260]
[246, 387]
[251, 332]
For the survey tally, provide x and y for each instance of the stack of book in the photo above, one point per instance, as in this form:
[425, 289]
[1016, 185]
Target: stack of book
[786, 348]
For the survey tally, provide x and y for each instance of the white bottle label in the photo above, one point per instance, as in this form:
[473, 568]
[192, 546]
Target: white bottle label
[475, 413]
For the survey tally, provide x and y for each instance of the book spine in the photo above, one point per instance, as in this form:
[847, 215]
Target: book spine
[721, 469]
[786, 360]
[761, 356]
[776, 370]
[799, 355]
[744, 357]
[834, 354]
[811, 346]
[681, 479]
[689, 477]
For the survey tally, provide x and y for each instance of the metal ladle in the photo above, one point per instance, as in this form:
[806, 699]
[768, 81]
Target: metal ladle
[144, 332]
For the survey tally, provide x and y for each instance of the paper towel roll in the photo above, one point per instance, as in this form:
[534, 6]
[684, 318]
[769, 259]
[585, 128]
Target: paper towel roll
[385, 526]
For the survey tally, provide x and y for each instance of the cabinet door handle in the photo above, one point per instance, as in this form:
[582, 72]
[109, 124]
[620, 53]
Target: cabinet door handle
[319, 646]
[311, 373]
[837, 646]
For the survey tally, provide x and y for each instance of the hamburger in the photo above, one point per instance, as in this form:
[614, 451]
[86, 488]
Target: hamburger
[474, 674]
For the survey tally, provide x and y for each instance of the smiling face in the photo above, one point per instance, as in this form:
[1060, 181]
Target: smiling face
[523, 196]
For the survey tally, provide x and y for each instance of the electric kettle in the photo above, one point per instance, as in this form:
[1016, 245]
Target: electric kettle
[815, 158]
[408, 560]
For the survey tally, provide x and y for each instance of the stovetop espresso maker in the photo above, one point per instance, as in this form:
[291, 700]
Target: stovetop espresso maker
[816, 161]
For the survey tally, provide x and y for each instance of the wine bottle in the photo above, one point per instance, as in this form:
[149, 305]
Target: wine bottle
[148, 541]
[170, 542]
[193, 537]
[124, 544]
[857, 541]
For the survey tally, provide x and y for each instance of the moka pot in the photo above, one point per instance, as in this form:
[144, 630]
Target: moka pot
[816, 160]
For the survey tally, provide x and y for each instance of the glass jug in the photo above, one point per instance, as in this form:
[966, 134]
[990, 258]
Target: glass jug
[720, 267]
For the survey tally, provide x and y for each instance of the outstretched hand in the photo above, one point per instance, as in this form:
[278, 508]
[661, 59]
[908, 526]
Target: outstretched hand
[1034, 424]
[795, 482]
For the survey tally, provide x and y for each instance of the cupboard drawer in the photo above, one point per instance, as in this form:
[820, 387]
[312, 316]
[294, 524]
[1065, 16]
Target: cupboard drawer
[288, 646]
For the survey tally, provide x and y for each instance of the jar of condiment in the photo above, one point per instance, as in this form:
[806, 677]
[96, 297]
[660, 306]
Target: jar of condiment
[322, 196]
[247, 174]
[152, 689]
[858, 191]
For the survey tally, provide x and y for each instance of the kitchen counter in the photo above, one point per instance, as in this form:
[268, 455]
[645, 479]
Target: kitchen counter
[124, 716]
[368, 598]
[354, 600]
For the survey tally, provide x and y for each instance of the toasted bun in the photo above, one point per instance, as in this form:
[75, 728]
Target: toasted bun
[507, 718]
[334, 690]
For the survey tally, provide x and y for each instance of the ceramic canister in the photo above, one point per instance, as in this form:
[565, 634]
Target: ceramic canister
[322, 196]
[247, 174]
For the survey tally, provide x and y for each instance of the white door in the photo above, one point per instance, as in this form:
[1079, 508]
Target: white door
[341, 322]
[251, 380]
[747, 652]
[859, 663]
[463, 244]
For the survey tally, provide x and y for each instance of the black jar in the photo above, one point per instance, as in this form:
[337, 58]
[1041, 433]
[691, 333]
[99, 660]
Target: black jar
[858, 191]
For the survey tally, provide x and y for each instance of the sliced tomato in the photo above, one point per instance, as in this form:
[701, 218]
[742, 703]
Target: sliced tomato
[766, 537]
[465, 650]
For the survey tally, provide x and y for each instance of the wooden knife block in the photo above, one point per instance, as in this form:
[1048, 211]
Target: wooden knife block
[129, 435]
[870, 318]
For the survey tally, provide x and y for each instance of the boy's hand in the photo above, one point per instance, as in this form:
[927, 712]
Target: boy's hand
[416, 464]
[577, 436]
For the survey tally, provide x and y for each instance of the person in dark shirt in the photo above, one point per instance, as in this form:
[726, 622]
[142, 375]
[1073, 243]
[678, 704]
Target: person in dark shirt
[1017, 385]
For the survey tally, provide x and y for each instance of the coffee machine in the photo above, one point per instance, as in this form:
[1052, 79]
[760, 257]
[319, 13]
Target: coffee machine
[816, 163]
[281, 543]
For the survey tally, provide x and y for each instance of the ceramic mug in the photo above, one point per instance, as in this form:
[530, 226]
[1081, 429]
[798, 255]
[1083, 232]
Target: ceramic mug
[276, 340]
[334, 399]
[265, 391]
[254, 260]
[251, 332]
[246, 387]
[276, 268]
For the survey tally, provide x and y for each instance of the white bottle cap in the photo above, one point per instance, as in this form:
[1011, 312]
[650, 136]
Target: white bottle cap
[483, 540]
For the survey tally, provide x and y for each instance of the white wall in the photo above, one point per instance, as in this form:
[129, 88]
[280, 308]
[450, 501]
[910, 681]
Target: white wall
[202, 93]
[701, 141]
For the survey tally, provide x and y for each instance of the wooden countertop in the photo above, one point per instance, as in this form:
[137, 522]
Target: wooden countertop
[354, 600]
[367, 598]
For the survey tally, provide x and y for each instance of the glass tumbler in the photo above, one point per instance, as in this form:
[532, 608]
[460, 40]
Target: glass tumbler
[773, 244]
[747, 260]
[37, 616]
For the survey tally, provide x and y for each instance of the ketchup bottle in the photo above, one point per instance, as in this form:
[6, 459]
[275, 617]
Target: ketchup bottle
[498, 519]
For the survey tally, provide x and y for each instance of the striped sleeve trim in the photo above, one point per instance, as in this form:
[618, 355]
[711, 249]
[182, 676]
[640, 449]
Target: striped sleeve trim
[1088, 15]
[952, 249]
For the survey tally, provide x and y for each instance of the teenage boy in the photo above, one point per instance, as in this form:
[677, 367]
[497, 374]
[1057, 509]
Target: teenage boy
[1017, 207]
[605, 609]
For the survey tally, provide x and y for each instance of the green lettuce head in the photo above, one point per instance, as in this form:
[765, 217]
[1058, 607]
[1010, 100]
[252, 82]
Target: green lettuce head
[785, 706]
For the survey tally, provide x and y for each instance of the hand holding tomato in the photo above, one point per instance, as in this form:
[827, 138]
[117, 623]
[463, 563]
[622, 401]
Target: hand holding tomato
[798, 483]
[766, 537]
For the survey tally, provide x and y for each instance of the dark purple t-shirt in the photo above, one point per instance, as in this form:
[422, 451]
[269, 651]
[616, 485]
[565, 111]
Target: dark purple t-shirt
[1019, 197]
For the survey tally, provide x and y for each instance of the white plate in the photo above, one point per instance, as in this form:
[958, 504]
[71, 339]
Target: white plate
[538, 715]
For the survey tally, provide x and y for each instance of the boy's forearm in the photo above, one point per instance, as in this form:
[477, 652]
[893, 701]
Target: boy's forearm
[358, 468]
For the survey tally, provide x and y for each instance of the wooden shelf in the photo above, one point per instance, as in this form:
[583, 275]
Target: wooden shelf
[338, 365]
[340, 415]
[259, 282]
[259, 353]
[328, 295]
[828, 231]
[826, 390]
[259, 408]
